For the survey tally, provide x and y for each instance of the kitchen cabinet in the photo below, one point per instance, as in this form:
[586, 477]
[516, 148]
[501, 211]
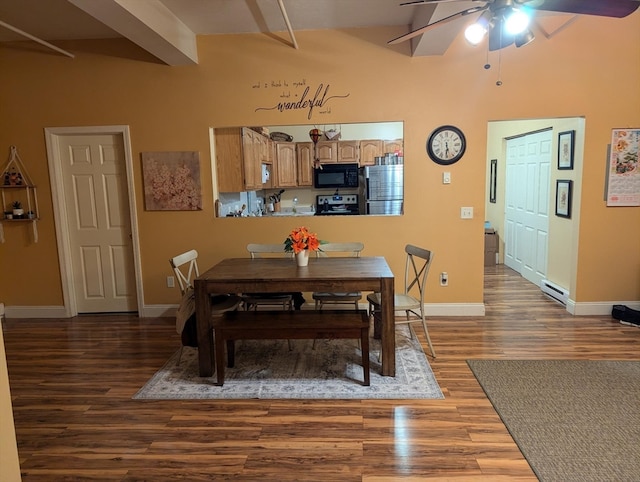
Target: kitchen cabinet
[286, 170]
[239, 156]
[253, 150]
[327, 151]
[369, 150]
[372, 148]
[349, 151]
[304, 160]
[394, 146]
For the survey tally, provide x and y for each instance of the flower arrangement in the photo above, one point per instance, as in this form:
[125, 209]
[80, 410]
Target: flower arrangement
[300, 239]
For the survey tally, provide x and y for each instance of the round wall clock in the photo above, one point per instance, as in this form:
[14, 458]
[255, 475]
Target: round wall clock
[446, 145]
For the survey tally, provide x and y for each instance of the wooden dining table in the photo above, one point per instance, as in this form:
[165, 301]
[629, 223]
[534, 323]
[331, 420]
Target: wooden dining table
[263, 275]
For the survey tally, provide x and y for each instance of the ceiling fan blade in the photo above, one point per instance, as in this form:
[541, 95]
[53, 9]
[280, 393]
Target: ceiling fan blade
[442, 21]
[608, 8]
[427, 2]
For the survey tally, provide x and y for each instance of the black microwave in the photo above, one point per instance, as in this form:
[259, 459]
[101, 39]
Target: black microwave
[335, 176]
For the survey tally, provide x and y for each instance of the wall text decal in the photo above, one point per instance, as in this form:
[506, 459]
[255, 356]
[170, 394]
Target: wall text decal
[292, 99]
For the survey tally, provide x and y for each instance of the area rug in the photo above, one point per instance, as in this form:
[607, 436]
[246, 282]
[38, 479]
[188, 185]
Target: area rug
[572, 420]
[267, 369]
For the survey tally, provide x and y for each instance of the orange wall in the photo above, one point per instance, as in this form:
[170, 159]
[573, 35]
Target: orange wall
[110, 82]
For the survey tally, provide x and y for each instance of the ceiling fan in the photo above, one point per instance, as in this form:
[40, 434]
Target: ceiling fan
[506, 21]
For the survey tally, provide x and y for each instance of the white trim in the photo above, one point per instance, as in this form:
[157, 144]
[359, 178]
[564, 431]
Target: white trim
[60, 216]
[600, 307]
[35, 312]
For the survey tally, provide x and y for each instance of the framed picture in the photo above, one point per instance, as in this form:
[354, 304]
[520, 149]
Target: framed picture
[493, 179]
[563, 198]
[171, 181]
[565, 149]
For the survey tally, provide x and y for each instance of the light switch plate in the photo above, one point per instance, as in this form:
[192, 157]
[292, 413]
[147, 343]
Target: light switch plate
[446, 178]
[466, 213]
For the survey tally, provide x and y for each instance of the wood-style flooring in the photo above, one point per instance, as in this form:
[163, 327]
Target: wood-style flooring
[72, 381]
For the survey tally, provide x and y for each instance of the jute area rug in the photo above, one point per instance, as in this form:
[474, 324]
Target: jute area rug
[267, 369]
[572, 420]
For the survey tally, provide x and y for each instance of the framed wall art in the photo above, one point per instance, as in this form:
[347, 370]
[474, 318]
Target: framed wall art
[563, 198]
[623, 168]
[566, 142]
[493, 179]
[171, 181]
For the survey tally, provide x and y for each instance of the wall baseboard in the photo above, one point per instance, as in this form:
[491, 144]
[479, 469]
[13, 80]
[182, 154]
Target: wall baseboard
[35, 312]
[599, 307]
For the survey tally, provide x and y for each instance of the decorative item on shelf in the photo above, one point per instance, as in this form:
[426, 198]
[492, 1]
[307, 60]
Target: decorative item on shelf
[12, 177]
[31, 215]
[18, 212]
[300, 242]
[8, 215]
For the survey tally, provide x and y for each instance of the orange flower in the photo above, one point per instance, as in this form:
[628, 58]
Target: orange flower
[300, 239]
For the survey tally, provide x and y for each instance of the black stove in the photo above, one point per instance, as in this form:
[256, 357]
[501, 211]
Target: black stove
[337, 204]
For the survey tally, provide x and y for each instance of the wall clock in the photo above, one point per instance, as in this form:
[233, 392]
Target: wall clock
[446, 145]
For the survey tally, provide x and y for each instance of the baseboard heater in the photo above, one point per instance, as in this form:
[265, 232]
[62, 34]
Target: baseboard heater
[555, 292]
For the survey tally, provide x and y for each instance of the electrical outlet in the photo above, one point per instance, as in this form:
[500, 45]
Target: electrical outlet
[446, 178]
[171, 282]
[444, 279]
[466, 213]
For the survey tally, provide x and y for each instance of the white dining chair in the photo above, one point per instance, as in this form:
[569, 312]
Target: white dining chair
[185, 268]
[411, 300]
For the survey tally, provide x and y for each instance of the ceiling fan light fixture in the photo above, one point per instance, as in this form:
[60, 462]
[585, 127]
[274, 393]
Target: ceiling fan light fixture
[516, 22]
[475, 32]
[524, 38]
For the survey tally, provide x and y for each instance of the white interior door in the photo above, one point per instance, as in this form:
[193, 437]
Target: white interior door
[99, 225]
[527, 204]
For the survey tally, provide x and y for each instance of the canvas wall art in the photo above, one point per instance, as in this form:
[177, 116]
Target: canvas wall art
[171, 181]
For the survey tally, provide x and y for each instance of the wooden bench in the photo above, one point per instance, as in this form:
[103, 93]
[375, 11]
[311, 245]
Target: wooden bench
[287, 325]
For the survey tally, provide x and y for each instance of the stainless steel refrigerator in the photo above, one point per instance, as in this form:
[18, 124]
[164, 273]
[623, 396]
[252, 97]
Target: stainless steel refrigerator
[384, 189]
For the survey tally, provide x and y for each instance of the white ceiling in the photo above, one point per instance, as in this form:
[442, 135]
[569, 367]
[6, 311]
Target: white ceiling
[167, 28]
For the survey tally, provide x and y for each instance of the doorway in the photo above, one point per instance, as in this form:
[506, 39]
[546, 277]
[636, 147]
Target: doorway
[528, 180]
[96, 220]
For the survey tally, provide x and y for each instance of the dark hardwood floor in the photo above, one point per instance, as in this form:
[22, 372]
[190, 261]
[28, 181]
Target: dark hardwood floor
[72, 383]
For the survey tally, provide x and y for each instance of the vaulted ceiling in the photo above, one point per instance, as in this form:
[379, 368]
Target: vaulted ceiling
[168, 28]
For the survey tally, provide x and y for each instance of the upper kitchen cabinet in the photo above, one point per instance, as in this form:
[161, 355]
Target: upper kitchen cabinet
[229, 159]
[372, 148]
[305, 158]
[285, 171]
[240, 153]
[393, 147]
[327, 151]
[369, 150]
[349, 151]
[338, 151]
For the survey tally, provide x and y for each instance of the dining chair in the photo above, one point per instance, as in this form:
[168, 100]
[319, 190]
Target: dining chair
[322, 297]
[411, 301]
[185, 267]
[288, 301]
[338, 249]
[252, 301]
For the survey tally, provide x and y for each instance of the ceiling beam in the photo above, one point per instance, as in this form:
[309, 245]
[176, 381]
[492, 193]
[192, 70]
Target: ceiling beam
[149, 24]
